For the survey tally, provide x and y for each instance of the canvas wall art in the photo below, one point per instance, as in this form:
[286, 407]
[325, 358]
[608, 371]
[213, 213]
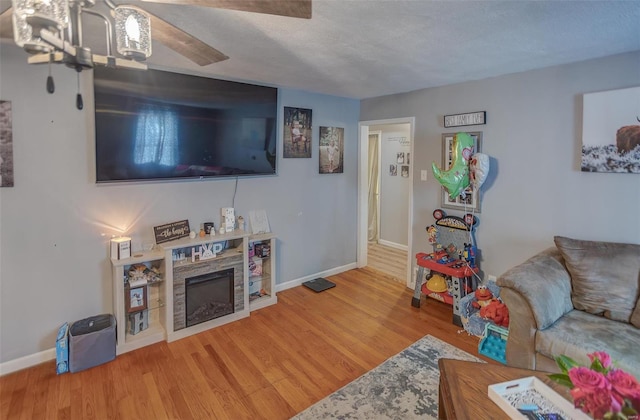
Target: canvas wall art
[611, 131]
[6, 144]
[331, 150]
[297, 133]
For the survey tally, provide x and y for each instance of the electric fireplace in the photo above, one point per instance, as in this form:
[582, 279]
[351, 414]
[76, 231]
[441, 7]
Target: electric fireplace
[208, 296]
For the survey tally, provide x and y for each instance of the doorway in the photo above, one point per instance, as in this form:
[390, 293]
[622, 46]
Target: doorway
[385, 210]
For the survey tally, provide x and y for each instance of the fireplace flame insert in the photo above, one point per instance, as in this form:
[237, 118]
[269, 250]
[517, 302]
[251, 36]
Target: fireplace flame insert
[209, 296]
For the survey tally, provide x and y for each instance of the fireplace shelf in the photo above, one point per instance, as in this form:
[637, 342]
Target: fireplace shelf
[262, 285]
[164, 316]
[155, 300]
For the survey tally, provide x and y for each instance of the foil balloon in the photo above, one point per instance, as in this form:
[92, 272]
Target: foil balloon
[478, 169]
[456, 179]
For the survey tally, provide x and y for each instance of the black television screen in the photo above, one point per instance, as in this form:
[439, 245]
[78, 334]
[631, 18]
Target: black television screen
[158, 125]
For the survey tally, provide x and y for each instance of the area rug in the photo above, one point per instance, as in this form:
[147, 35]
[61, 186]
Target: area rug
[403, 387]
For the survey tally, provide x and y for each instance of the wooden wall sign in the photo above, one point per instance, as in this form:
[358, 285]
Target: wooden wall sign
[171, 231]
[470, 118]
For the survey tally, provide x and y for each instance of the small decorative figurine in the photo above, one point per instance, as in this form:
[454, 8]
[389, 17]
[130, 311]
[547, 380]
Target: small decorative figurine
[192, 234]
[206, 251]
[202, 233]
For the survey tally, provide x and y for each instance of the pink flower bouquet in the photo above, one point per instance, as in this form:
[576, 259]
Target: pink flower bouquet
[600, 389]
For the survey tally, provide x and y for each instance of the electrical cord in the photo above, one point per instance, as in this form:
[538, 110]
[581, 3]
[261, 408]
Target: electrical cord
[235, 190]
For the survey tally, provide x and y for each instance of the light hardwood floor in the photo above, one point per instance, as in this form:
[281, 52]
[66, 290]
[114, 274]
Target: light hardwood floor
[272, 365]
[391, 261]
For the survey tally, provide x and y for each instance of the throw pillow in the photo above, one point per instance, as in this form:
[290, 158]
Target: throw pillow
[604, 276]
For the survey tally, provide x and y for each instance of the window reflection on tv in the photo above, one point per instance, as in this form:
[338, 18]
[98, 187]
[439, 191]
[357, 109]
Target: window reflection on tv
[160, 125]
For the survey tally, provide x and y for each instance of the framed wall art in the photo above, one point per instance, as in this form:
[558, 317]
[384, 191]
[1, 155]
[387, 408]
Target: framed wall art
[471, 201]
[611, 131]
[331, 151]
[6, 144]
[297, 133]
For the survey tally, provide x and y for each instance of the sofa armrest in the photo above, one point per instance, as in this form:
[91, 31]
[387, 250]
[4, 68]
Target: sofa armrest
[544, 284]
[521, 349]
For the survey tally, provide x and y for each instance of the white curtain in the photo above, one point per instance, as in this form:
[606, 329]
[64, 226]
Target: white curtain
[156, 137]
[374, 188]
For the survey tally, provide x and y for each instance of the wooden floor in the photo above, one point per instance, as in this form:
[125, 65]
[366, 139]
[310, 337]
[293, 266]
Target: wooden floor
[272, 365]
[391, 261]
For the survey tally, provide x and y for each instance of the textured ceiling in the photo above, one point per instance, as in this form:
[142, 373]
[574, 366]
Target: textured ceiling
[367, 48]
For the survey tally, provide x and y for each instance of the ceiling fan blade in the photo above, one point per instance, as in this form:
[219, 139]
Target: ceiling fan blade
[183, 43]
[290, 8]
[6, 24]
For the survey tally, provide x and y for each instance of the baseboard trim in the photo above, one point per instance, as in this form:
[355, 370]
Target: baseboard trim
[50, 354]
[27, 361]
[297, 282]
[393, 245]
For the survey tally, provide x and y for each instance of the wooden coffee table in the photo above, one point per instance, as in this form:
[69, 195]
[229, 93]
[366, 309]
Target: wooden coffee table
[464, 388]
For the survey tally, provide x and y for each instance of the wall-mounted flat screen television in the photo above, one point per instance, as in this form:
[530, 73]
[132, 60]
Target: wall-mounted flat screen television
[161, 125]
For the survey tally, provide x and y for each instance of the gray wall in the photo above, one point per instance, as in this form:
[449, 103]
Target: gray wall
[533, 134]
[55, 223]
[394, 190]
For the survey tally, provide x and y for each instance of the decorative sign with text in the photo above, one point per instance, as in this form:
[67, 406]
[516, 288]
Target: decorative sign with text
[171, 231]
[470, 118]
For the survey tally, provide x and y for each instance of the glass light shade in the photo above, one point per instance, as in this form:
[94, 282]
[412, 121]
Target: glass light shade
[29, 16]
[133, 32]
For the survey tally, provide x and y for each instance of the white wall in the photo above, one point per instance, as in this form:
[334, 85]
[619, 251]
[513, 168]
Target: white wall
[534, 135]
[394, 190]
[56, 222]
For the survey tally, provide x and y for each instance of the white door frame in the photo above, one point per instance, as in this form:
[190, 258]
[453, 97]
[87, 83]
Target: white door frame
[363, 187]
[377, 133]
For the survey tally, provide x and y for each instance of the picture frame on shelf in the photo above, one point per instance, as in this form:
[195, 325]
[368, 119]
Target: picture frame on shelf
[135, 298]
[471, 202]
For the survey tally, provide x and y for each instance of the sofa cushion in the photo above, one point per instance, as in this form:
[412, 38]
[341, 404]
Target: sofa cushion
[578, 333]
[604, 276]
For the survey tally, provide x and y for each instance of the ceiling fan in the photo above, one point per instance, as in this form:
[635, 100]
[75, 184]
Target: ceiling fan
[63, 41]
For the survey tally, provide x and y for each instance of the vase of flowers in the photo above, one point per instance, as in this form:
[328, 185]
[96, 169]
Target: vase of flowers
[600, 390]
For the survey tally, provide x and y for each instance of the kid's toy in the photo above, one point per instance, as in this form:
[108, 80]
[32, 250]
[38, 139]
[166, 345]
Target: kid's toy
[470, 306]
[494, 343]
[497, 312]
[455, 261]
[483, 297]
[62, 349]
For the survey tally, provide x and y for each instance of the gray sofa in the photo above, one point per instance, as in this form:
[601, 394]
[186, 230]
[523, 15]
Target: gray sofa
[573, 299]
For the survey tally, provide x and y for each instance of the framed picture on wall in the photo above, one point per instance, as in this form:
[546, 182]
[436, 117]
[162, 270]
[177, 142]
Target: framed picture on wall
[331, 150]
[6, 144]
[297, 133]
[611, 131]
[470, 202]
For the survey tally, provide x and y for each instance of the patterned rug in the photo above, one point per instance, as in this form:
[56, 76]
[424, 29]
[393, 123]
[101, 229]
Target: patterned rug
[403, 387]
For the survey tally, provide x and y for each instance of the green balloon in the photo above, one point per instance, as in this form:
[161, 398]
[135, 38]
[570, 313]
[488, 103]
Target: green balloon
[456, 178]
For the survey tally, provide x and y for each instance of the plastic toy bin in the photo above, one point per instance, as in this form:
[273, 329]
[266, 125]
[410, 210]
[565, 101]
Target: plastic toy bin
[92, 342]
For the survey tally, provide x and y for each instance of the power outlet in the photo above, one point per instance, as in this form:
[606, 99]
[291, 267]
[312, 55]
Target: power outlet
[423, 175]
[492, 278]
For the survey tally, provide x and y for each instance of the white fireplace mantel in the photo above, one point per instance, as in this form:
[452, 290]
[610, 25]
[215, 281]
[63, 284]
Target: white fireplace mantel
[160, 313]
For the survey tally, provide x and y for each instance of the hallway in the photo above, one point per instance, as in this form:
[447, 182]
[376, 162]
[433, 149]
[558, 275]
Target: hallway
[388, 260]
